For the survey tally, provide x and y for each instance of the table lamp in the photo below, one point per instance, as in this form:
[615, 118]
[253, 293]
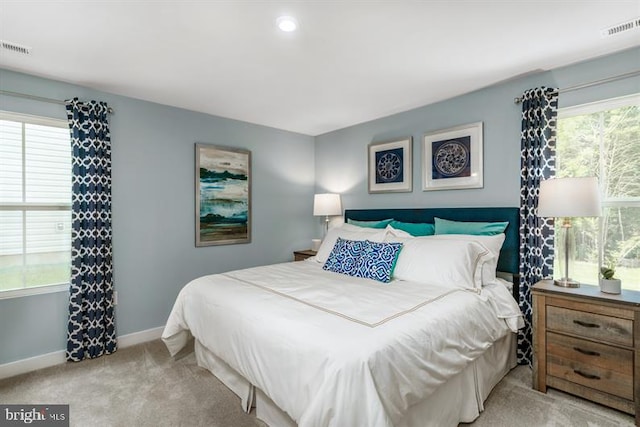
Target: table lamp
[568, 198]
[327, 204]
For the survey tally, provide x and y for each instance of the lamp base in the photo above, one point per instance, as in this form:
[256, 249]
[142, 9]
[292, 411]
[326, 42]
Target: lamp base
[566, 283]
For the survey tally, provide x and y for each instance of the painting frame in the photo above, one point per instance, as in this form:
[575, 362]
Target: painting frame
[222, 195]
[452, 159]
[397, 175]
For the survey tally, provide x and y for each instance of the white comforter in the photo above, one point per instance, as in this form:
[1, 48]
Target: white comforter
[333, 350]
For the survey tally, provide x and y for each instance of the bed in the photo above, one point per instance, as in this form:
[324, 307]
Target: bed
[310, 347]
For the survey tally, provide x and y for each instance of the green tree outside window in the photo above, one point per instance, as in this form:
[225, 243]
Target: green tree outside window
[603, 140]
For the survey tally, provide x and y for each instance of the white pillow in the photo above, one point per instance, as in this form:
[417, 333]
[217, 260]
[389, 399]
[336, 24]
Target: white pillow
[347, 233]
[493, 243]
[394, 232]
[450, 263]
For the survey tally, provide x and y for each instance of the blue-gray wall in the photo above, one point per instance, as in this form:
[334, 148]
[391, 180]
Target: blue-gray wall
[153, 216]
[341, 156]
[154, 209]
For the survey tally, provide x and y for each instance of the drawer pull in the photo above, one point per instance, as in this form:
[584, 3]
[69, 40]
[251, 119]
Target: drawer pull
[587, 376]
[586, 324]
[587, 352]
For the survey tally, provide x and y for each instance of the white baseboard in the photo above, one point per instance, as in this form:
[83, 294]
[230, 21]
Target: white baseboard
[31, 364]
[58, 357]
[140, 337]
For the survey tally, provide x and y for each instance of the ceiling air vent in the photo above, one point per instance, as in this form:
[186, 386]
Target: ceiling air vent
[632, 24]
[15, 47]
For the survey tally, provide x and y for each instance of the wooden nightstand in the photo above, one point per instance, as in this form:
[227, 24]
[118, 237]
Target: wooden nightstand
[587, 343]
[302, 255]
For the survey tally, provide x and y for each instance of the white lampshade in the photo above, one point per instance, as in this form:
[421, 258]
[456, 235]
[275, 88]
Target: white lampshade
[569, 197]
[327, 204]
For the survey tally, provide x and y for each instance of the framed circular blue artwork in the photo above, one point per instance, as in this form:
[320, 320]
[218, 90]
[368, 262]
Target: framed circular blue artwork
[390, 166]
[451, 158]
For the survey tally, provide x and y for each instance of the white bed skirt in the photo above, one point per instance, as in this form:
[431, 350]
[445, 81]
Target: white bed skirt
[461, 399]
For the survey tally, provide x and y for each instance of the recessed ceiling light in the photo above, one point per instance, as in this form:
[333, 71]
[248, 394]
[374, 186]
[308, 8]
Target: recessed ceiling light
[287, 23]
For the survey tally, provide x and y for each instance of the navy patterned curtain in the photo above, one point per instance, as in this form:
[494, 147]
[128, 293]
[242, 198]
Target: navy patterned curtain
[538, 152]
[91, 328]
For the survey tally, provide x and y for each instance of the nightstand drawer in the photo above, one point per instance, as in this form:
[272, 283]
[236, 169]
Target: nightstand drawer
[588, 353]
[595, 377]
[590, 325]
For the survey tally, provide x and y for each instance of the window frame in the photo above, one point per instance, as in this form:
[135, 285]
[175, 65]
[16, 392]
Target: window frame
[25, 207]
[605, 202]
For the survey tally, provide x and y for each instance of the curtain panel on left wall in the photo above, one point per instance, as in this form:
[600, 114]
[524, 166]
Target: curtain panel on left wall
[91, 327]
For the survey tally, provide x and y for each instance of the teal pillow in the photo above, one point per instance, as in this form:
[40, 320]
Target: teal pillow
[415, 229]
[443, 226]
[370, 224]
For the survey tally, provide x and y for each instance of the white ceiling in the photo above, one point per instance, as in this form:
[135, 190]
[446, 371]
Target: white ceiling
[349, 62]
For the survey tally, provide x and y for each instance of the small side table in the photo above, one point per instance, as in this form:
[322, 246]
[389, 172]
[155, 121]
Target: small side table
[587, 343]
[304, 254]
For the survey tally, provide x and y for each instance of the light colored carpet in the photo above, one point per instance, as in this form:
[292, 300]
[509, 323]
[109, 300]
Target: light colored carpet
[142, 386]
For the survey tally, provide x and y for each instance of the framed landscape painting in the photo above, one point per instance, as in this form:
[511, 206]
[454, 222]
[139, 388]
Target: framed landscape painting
[452, 158]
[390, 166]
[223, 195]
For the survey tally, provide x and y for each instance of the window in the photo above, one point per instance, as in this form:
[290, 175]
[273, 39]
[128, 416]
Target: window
[603, 139]
[35, 205]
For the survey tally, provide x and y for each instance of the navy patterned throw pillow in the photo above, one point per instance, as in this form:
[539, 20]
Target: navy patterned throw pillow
[345, 255]
[365, 259]
[379, 261]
